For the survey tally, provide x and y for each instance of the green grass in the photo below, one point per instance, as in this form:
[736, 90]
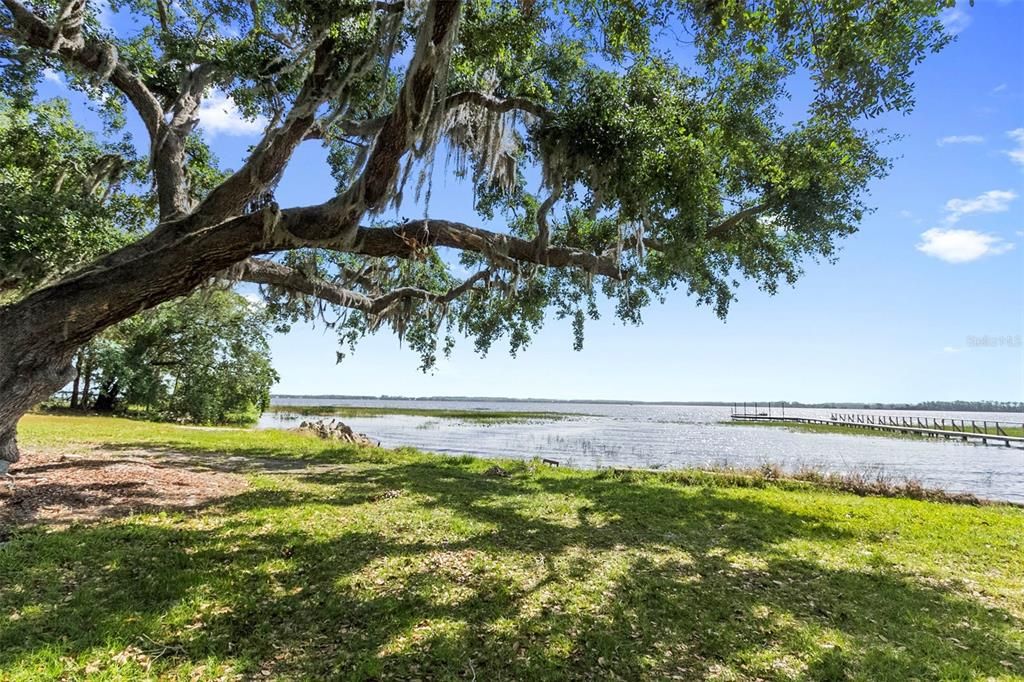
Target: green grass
[487, 416]
[547, 574]
[859, 430]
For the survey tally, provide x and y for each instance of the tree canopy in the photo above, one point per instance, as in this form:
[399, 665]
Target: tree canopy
[622, 148]
[63, 200]
[203, 359]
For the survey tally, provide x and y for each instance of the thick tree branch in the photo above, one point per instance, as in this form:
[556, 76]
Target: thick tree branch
[167, 156]
[543, 228]
[497, 105]
[371, 126]
[269, 158]
[261, 271]
[408, 239]
[93, 56]
[377, 182]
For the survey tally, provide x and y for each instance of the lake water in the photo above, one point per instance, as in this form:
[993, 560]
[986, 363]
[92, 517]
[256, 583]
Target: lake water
[680, 436]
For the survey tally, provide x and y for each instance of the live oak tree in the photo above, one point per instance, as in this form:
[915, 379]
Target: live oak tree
[627, 148]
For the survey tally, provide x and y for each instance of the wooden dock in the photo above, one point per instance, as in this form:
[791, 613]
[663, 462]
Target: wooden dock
[985, 432]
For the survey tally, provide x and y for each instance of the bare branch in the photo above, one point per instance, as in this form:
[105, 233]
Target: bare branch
[163, 16]
[722, 228]
[543, 229]
[67, 27]
[366, 128]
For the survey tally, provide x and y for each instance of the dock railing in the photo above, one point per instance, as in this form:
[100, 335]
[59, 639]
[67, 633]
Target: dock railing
[971, 426]
[984, 431]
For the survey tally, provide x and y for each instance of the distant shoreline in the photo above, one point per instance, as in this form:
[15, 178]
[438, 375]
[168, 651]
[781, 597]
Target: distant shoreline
[937, 405]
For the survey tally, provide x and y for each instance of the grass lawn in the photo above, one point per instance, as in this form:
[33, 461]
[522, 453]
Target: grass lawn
[487, 416]
[370, 564]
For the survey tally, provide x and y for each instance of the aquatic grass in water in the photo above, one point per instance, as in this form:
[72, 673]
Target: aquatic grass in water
[483, 416]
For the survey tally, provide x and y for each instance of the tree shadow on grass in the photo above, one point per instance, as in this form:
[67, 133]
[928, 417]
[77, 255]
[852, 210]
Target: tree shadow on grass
[463, 576]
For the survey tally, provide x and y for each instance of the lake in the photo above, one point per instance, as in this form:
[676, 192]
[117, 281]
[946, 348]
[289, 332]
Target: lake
[681, 436]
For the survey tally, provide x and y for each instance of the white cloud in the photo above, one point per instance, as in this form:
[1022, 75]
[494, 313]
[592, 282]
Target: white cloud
[999, 88]
[1016, 155]
[960, 246]
[951, 349]
[992, 201]
[51, 76]
[218, 114]
[960, 139]
[955, 20]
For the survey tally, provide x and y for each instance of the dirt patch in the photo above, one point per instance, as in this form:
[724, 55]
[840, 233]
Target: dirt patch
[60, 488]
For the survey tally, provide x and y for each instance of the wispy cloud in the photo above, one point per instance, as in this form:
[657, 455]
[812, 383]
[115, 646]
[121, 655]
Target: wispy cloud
[992, 201]
[1017, 154]
[911, 216]
[999, 88]
[955, 20]
[960, 139]
[961, 246]
[218, 114]
[52, 76]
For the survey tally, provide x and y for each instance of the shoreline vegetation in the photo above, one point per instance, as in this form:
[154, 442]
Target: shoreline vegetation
[321, 559]
[486, 416]
[1009, 407]
[854, 430]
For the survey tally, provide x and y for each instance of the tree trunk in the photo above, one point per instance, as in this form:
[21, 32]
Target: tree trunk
[73, 403]
[40, 334]
[88, 381]
[106, 399]
[31, 369]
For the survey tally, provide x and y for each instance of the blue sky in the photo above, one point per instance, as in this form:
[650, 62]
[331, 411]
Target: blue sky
[926, 301]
